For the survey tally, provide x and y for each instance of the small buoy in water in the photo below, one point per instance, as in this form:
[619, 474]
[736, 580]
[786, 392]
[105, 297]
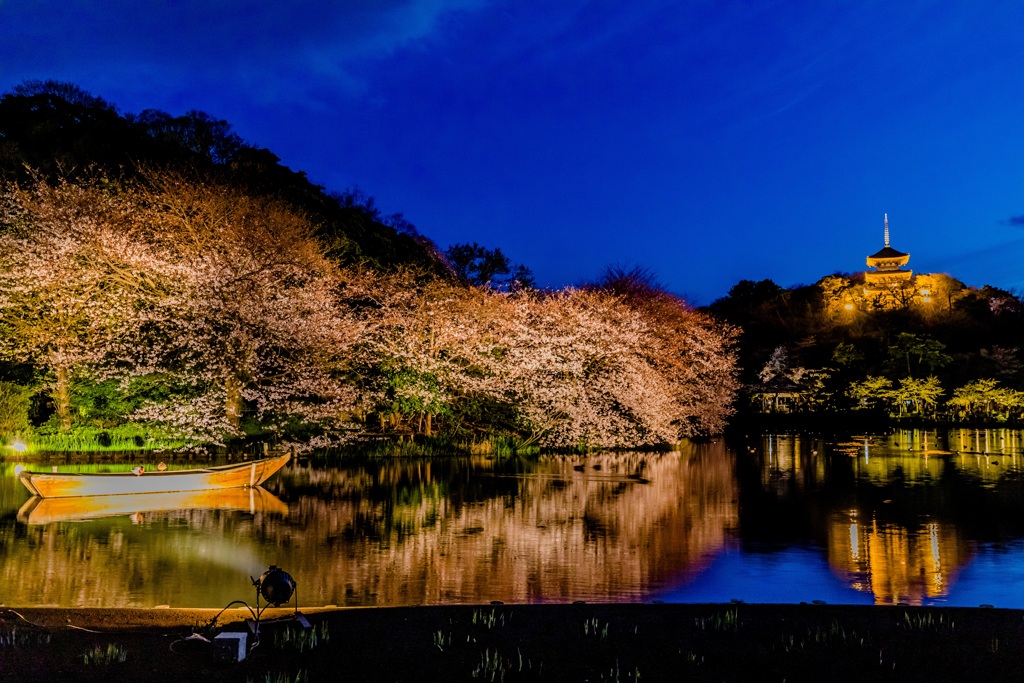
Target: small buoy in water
[162, 467]
[138, 470]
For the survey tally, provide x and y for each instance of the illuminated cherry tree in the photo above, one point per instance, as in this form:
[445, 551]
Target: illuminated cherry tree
[574, 370]
[431, 346]
[696, 356]
[592, 368]
[75, 269]
[252, 320]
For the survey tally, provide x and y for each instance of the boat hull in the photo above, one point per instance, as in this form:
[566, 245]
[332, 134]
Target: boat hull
[58, 485]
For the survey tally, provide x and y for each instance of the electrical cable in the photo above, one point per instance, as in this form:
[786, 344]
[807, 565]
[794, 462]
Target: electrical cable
[72, 626]
[213, 622]
[81, 628]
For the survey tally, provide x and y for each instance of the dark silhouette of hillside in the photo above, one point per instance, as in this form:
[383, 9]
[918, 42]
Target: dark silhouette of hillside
[54, 129]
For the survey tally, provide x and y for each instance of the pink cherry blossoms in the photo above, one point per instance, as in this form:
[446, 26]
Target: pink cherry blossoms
[226, 306]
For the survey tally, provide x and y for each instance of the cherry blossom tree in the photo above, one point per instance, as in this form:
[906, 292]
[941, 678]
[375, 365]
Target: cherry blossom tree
[431, 345]
[252, 320]
[574, 369]
[75, 270]
[227, 302]
[697, 356]
[918, 393]
[872, 392]
[692, 351]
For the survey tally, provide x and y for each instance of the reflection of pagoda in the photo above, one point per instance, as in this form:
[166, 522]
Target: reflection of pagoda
[887, 264]
[897, 564]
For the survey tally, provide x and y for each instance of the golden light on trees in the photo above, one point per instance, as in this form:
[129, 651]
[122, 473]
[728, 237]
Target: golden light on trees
[224, 309]
[74, 269]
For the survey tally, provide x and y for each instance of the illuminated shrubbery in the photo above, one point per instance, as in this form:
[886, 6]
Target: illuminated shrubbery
[936, 353]
[14, 405]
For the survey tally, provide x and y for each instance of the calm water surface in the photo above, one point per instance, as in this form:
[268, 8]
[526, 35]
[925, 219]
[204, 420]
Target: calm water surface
[913, 517]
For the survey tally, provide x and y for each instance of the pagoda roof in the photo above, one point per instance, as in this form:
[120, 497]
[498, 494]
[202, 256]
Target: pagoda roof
[888, 253]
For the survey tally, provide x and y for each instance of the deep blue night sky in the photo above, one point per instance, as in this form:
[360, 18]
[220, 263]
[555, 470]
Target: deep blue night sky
[707, 141]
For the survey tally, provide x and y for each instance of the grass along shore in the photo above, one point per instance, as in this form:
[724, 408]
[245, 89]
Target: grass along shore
[578, 642]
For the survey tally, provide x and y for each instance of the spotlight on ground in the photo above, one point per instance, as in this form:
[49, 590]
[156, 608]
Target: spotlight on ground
[276, 586]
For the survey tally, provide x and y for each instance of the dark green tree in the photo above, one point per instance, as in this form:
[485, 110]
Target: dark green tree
[482, 267]
[914, 352]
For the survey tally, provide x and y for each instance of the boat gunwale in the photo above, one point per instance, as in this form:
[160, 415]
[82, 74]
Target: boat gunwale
[196, 470]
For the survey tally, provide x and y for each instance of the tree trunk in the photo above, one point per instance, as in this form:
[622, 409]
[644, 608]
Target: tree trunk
[233, 402]
[428, 430]
[62, 398]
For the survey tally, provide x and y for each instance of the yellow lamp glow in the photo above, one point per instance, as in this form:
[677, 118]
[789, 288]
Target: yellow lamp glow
[848, 307]
[19, 446]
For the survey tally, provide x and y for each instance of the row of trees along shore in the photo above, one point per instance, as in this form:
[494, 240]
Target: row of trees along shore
[929, 350]
[164, 281]
[201, 312]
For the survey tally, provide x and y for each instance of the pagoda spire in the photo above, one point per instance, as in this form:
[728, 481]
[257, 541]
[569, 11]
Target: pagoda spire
[887, 264]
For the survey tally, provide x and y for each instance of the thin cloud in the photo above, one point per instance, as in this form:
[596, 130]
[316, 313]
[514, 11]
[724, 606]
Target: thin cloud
[265, 48]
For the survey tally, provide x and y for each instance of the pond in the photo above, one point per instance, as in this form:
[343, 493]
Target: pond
[915, 517]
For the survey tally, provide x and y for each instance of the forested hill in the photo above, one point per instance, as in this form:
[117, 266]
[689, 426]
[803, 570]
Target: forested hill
[59, 130]
[927, 346]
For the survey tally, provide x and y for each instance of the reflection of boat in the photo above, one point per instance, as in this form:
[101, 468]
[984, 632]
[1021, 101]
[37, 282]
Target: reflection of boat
[77, 508]
[59, 485]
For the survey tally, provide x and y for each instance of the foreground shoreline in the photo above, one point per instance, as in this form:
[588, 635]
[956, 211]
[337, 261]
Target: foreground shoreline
[579, 642]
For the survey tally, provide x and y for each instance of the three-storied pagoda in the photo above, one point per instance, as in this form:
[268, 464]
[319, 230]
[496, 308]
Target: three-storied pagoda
[887, 265]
